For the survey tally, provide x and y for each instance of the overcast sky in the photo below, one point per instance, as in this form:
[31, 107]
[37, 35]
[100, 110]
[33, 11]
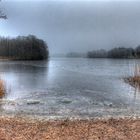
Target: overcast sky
[69, 25]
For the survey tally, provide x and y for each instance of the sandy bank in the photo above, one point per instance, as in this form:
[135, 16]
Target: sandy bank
[111, 129]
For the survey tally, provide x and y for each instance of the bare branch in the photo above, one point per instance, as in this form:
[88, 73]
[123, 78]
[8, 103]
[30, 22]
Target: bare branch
[2, 15]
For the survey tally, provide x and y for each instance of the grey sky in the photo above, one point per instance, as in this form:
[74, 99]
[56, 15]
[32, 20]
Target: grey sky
[69, 25]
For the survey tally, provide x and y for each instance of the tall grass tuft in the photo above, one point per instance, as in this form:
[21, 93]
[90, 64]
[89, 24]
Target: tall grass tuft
[135, 79]
[2, 88]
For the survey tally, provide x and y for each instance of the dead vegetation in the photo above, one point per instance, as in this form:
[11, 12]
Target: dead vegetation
[112, 129]
[135, 79]
[2, 88]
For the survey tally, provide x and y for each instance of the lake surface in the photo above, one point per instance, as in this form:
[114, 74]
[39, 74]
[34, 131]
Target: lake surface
[70, 87]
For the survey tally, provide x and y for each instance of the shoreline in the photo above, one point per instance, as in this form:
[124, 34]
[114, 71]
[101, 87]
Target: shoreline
[24, 128]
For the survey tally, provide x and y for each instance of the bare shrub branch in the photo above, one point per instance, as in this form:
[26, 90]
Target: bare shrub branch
[2, 15]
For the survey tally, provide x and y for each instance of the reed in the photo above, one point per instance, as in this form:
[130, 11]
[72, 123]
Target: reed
[135, 79]
[2, 88]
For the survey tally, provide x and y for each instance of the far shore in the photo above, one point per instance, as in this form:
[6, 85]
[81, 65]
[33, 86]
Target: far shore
[20, 128]
[18, 59]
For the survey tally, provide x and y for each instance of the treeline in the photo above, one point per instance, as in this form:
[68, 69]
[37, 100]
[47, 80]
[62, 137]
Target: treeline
[75, 54]
[120, 52]
[23, 48]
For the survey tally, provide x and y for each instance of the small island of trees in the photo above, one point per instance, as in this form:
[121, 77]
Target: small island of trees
[23, 48]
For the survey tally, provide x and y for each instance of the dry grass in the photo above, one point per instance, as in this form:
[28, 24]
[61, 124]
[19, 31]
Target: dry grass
[2, 88]
[135, 79]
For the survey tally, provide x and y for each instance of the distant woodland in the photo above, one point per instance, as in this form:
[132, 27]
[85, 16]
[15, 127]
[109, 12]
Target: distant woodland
[23, 48]
[120, 52]
[75, 54]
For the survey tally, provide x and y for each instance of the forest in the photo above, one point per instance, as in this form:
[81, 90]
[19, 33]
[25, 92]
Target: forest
[120, 52]
[23, 48]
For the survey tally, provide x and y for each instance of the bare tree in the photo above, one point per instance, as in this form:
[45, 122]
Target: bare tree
[2, 15]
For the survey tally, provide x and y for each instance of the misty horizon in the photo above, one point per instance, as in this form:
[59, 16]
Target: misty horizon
[74, 26]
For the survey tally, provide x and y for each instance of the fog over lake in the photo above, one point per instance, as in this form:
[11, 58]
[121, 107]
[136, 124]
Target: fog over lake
[68, 25]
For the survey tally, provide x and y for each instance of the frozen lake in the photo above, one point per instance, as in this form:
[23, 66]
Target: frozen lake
[70, 87]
